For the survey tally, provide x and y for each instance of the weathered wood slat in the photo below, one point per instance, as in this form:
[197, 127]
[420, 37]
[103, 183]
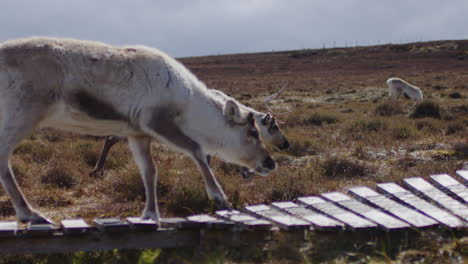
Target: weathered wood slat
[111, 225]
[211, 221]
[408, 198]
[352, 220]
[382, 219]
[318, 220]
[180, 223]
[75, 226]
[93, 241]
[402, 212]
[282, 219]
[136, 223]
[40, 229]
[448, 184]
[9, 229]
[423, 187]
[463, 174]
[245, 220]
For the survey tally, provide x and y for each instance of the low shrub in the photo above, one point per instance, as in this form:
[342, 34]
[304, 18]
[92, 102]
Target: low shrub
[6, 207]
[336, 167]
[371, 125]
[188, 200]
[455, 127]
[426, 109]
[461, 150]
[387, 109]
[318, 119]
[424, 124]
[87, 152]
[455, 95]
[127, 184]
[402, 132]
[37, 152]
[300, 148]
[54, 199]
[59, 177]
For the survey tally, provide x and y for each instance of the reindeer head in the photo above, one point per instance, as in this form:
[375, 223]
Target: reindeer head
[270, 132]
[242, 143]
[268, 124]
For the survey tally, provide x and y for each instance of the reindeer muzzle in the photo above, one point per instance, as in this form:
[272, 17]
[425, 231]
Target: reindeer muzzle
[285, 145]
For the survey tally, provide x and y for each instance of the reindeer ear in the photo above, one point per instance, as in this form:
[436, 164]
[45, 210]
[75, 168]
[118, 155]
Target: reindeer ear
[266, 119]
[232, 112]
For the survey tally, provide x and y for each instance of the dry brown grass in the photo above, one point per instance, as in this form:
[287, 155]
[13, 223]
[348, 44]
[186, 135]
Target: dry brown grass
[343, 133]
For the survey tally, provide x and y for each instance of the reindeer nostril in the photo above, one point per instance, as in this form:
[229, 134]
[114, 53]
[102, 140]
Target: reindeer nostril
[285, 145]
[269, 163]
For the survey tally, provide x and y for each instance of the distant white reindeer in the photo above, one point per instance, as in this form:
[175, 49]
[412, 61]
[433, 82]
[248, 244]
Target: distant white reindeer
[270, 133]
[398, 87]
[134, 92]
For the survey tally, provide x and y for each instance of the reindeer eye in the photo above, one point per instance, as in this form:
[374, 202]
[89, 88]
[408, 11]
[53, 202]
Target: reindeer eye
[253, 133]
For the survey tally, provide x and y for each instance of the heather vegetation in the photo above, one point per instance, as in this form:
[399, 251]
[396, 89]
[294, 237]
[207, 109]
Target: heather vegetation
[343, 130]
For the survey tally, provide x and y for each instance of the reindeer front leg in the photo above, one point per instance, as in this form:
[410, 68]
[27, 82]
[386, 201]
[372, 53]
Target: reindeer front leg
[141, 150]
[213, 188]
[162, 126]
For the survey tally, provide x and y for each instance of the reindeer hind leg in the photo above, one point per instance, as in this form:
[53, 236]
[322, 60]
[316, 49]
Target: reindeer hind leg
[17, 122]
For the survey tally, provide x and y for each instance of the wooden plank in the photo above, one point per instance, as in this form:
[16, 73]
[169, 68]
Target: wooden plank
[382, 219]
[318, 220]
[448, 184]
[351, 220]
[408, 198]
[421, 186]
[463, 174]
[9, 229]
[402, 212]
[211, 221]
[283, 220]
[111, 225]
[180, 223]
[94, 241]
[40, 229]
[138, 224]
[245, 220]
[75, 226]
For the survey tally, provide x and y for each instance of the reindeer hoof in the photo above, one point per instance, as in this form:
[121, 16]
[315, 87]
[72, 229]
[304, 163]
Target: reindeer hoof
[222, 204]
[36, 218]
[150, 215]
[96, 173]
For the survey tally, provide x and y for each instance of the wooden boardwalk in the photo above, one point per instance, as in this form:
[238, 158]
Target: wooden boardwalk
[440, 203]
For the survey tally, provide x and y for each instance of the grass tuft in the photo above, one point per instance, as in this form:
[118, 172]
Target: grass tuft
[367, 126]
[402, 132]
[126, 184]
[387, 109]
[300, 148]
[190, 199]
[59, 177]
[36, 152]
[338, 167]
[318, 119]
[454, 128]
[426, 109]
[461, 150]
[455, 95]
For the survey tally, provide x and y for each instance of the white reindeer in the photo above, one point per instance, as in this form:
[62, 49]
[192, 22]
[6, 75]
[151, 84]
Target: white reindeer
[270, 133]
[398, 87]
[134, 92]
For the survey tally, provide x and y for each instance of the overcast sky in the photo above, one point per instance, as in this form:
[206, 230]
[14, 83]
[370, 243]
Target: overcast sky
[185, 28]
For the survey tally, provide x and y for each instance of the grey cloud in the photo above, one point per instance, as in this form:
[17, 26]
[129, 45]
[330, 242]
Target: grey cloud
[203, 27]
